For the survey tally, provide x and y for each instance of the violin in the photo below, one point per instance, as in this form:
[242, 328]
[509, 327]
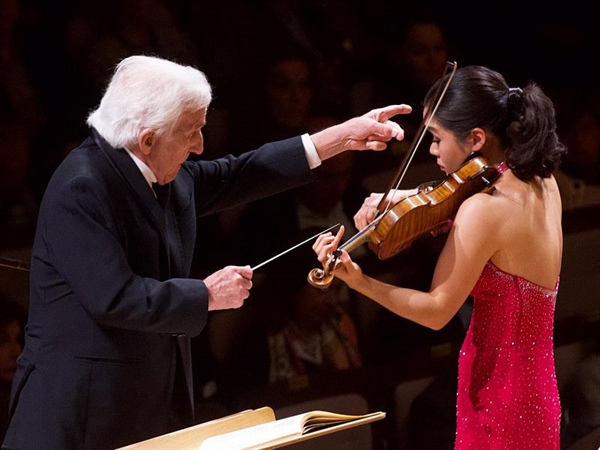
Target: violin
[428, 211]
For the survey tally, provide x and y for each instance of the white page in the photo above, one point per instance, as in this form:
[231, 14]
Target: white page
[256, 435]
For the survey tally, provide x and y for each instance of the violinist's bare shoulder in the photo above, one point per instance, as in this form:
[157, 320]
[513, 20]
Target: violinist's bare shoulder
[481, 207]
[480, 220]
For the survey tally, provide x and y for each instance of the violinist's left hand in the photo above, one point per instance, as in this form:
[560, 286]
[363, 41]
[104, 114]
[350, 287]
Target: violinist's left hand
[345, 269]
[326, 244]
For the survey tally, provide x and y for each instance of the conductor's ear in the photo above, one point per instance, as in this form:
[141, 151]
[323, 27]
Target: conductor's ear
[145, 140]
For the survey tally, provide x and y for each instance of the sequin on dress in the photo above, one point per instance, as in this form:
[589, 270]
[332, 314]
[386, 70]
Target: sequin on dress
[507, 392]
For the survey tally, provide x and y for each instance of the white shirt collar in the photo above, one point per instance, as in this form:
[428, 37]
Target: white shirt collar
[148, 174]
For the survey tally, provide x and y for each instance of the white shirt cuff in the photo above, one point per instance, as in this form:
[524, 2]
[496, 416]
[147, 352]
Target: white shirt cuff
[311, 151]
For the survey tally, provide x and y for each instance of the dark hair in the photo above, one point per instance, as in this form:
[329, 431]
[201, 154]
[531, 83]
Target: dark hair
[523, 119]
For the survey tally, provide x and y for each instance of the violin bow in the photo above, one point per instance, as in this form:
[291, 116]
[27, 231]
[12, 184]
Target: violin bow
[321, 278]
[439, 95]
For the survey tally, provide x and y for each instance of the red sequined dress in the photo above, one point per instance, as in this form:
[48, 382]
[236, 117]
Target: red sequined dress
[507, 392]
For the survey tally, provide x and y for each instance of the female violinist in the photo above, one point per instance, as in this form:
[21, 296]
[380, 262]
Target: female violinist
[504, 247]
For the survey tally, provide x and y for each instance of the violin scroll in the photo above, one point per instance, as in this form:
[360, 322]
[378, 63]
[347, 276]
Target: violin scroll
[320, 279]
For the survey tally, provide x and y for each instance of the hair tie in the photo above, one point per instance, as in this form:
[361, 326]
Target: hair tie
[515, 90]
[515, 101]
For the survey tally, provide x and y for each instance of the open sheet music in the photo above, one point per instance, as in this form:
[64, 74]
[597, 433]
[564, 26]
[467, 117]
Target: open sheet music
[286, 430]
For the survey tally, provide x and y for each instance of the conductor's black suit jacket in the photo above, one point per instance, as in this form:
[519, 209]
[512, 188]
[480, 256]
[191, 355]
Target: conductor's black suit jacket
[111, 309]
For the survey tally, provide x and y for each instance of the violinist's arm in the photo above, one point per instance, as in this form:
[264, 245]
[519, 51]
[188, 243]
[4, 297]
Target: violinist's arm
[468, 247]
[368, 211]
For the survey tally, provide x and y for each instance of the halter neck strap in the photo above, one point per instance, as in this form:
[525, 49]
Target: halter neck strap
[502, 167]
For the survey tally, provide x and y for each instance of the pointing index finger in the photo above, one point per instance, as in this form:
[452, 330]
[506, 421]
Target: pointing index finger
[387, 112]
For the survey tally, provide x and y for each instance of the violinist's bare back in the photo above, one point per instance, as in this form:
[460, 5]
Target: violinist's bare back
[518, 228]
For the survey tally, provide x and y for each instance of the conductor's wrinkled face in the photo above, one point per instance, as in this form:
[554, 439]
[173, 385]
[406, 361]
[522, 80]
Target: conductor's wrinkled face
[166, 152]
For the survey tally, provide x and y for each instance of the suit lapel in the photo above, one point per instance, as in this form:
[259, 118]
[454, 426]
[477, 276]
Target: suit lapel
[131, 176]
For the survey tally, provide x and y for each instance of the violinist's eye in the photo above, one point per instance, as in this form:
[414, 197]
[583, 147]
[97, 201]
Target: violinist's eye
[435, 141]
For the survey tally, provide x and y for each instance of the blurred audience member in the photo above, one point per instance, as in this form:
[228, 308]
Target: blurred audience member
[12, 323]
[286, 105]
[105, 32]
[417, 56]
[415, 59]
[18, 207]
[432, 416]
[318, 333]
[271, 225]
[21, 120]
[329, 31]
[286, 102]
[298, 330]
[18, 97]
[580, 399]
[578, 176]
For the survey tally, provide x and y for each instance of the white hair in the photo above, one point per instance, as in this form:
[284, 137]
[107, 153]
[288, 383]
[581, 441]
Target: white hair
[148, 92]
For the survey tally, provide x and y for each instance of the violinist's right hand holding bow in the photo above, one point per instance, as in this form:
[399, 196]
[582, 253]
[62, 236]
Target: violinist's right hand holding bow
[371, 206]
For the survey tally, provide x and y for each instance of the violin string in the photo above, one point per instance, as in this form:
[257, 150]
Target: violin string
[360, 233]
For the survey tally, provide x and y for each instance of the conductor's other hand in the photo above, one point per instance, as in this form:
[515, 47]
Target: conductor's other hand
[228, 287]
